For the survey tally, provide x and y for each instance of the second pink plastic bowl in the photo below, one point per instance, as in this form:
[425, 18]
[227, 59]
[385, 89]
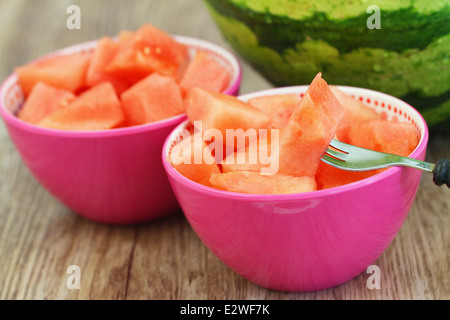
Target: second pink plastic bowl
[310, 241]
[109, 176]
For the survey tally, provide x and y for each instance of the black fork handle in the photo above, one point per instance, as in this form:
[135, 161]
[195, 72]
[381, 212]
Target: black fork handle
[441, 172]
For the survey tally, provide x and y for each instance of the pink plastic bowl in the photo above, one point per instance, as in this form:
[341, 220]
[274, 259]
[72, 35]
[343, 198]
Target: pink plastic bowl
[109, 176]
[310, 241]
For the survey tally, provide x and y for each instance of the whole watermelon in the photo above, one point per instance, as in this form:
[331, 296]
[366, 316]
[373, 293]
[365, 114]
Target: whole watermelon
[398, 47]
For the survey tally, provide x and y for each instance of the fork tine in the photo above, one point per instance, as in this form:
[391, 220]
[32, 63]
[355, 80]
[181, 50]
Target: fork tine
[353, 158]
[331, 161]
[340, 145]
[336, 154]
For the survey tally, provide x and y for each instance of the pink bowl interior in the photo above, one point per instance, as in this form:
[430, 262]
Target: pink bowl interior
[110, 176]
[308, 241]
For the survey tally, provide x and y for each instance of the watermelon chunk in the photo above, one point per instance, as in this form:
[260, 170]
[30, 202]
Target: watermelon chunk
[65, 72]
[125, 35]
[221, 112]
[148, 50]
[255, 183]
[154, 98]
[193, 159]
[394, 137]
[330, 177]
[260, 155]
[310, 129]
[103, 55]
[279, 107]
[355, 111]
[43, 100]
[206, 73]
[97, 108]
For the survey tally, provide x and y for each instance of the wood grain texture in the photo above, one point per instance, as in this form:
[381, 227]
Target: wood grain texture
[164, 259]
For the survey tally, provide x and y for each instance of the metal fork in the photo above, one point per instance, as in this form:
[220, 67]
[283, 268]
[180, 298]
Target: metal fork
[348, 157]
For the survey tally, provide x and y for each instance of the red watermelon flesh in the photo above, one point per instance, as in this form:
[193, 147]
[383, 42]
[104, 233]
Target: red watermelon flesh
[394, 137]
[66, 72]
[154, 98]
[103, 55]
[43, 100]
[255, 183]
[311, 128]
[188, 157]
[95, 109]
[125, 35]
[260, 155]
[148, 50]
[329, 177]
[279, 107]
[355, 111]
[219, 111]
[206, 73]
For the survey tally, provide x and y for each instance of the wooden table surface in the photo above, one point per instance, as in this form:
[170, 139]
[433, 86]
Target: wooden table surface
[164, 259]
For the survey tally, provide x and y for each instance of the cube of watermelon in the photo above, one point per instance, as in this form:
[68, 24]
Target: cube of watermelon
[65, 72]
[104, 53]
[260, 155]
[154, 98]
[279, 107]
[394, 137]
[255, 183]
[330, 177]
[310, 129]
[193, 159]
[148, 50]
[355, 111]
[125, 35]
[221, 112]
[43, 100]
[206, 73]
[97, 108]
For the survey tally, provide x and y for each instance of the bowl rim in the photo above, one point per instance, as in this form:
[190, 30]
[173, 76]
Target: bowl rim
[191, 42]
[318, 194]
